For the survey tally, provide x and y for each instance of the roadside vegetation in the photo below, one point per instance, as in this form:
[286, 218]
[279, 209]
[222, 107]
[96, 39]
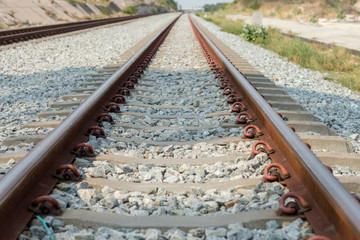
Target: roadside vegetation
[132, 9]
[305, 10]
[169, 3]
[339, 63]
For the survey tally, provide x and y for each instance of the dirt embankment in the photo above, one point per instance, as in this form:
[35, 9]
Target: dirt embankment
[41, 12]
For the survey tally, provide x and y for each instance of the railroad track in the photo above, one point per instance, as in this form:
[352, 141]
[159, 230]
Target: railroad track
[158, 141]
[29, 33]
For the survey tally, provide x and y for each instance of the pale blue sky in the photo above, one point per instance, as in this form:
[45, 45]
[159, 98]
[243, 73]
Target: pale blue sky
[198, 3]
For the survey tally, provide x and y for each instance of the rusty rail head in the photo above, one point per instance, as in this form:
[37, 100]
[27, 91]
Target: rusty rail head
[32, 176]
[52, 26]
[335, 213]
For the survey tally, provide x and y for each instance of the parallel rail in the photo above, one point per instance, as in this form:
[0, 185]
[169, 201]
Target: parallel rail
[334, 212]
[24, 34]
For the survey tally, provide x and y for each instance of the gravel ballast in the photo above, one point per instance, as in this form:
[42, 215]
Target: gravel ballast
[336, 106]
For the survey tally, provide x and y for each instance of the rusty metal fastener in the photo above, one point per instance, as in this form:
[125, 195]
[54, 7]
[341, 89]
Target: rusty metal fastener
[118, 98]
[224, 84]
[45, 205]
[244, 117]
[112, 107]
[233, 98]
[105, 117]
[215, 70]
[129, 85]
[140, 70]
[144, 64]
[83, 150]
[280, 173]
[221, 78]
[266, 148]
[228, 90]
[238, 107]
[124, 91]
[252, 131]
[133, 79]
[308, 145]
[96, 131]
[136, 74]
[214, 65]
[292, 128]
[330, 169]
[220, 75]
[146, 61]
[67, 172]
[300, 206]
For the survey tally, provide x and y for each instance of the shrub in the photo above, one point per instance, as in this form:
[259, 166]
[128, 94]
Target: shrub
[130, 10]
[340, 15]
[50, 13]
[169, 3]
[72, 2]
[214, 7]
[253, 33]
[254, 5]
[313, 19]
[106, 11]
[25, 23]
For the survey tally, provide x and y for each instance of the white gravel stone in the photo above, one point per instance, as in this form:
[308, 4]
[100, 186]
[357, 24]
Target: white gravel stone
[185, 173]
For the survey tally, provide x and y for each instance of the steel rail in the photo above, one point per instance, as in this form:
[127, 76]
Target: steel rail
[33, 175]
[334, 212]
[50, 26]
[16, 35]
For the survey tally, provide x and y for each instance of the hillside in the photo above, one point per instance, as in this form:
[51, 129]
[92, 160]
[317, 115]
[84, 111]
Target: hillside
[298, 10]
[16, 13]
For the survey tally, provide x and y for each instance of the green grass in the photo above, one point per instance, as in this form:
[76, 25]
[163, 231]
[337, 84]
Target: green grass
[341, 65]
[226, 25]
